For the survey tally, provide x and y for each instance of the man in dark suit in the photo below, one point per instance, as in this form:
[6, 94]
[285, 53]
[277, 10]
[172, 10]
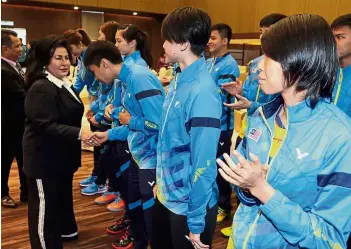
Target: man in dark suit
[12, 114]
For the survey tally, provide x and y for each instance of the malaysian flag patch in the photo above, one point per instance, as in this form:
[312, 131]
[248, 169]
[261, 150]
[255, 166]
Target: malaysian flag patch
[255, 134]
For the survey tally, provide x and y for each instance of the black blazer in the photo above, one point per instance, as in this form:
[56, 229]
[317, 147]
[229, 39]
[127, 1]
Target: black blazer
[12, 103]
[53, 122]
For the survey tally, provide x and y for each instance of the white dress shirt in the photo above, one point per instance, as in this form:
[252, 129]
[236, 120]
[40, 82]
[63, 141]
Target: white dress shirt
[59, 83]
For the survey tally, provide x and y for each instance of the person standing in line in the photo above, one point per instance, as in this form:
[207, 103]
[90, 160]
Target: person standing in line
[223, 68]
[292, 170]
[52, 144]
[341, 27]
[250, 96]
[12, 112]
[142, 102]
[185, 211]
[342, 91]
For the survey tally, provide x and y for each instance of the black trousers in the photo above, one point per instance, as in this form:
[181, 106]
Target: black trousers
[102, 156]
[224, 187]
[50, 211]
[11, 147]
[139, 184]
[109, 164]
[169, 229]
[117, 161]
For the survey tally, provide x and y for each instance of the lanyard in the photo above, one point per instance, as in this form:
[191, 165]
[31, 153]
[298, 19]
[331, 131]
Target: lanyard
[213, 62]
[339, 87]
[258, 92]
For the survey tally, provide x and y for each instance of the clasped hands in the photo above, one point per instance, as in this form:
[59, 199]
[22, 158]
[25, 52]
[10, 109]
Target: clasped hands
[248, 175]
[123, 117]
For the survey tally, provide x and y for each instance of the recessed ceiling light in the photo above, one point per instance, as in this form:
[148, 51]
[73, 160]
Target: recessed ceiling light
[76, 7]
[135, 13]
[4, 1]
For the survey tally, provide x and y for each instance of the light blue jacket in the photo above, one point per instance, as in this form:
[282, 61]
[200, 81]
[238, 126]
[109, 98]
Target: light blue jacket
[105, 96]
[85, 78]
[224, 70]
[143, 97]
[344, 98]
[311, 175]
[120, 132]
[251, 89]
[187, 145]
[116, 102]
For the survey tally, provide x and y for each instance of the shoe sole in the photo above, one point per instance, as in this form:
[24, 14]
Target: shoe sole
[114, 233]
[9, 206]
[115, 210]
[126, 247]
[95, 193]
[102, 203]
[84, 185]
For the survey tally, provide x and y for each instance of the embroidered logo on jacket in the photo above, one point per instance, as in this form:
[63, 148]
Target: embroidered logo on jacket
[254, 134]
[301, 155]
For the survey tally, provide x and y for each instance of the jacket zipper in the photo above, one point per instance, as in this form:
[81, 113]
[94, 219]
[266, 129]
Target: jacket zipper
[170, 105]
[272, 137]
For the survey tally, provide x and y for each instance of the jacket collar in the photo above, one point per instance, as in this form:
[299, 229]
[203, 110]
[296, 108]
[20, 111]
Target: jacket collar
[189, 73]
[218, 59]
[125, 71]
[346, 70]
[297, 113]
[59, 83]
[135, 55]
[10, 62]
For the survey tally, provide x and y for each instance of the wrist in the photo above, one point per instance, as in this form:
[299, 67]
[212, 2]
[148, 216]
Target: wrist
[262, 191]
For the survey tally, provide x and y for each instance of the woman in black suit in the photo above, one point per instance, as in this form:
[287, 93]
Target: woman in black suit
[51, 144]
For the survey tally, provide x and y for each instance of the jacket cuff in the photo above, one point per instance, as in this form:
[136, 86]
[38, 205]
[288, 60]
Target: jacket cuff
[273, 203]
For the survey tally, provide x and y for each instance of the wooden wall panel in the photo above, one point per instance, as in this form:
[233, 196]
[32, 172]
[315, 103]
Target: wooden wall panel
[41, 22]
[291, 7]
[242, 15]
[154, 6]
[344, 7]
[325, 8]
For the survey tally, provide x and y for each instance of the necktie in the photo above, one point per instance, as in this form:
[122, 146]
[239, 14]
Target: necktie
[19, 69]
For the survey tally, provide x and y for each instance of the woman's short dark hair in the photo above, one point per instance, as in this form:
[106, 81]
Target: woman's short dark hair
[224, 30]
[305, 47]
[43, 52]
[73, 37]
[341, 21]
[99, 50]
[132, 32]
[109, 29]
[85, 37]
[271, 19]
[188, 25]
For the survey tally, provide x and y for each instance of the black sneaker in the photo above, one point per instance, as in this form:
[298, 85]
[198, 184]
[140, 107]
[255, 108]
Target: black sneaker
[125, 242]
[120, 226]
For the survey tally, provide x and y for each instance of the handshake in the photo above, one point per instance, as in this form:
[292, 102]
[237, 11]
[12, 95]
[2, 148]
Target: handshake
[94, 139]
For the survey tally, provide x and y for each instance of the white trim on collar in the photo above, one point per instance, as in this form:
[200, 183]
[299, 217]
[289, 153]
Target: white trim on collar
[59, 83]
